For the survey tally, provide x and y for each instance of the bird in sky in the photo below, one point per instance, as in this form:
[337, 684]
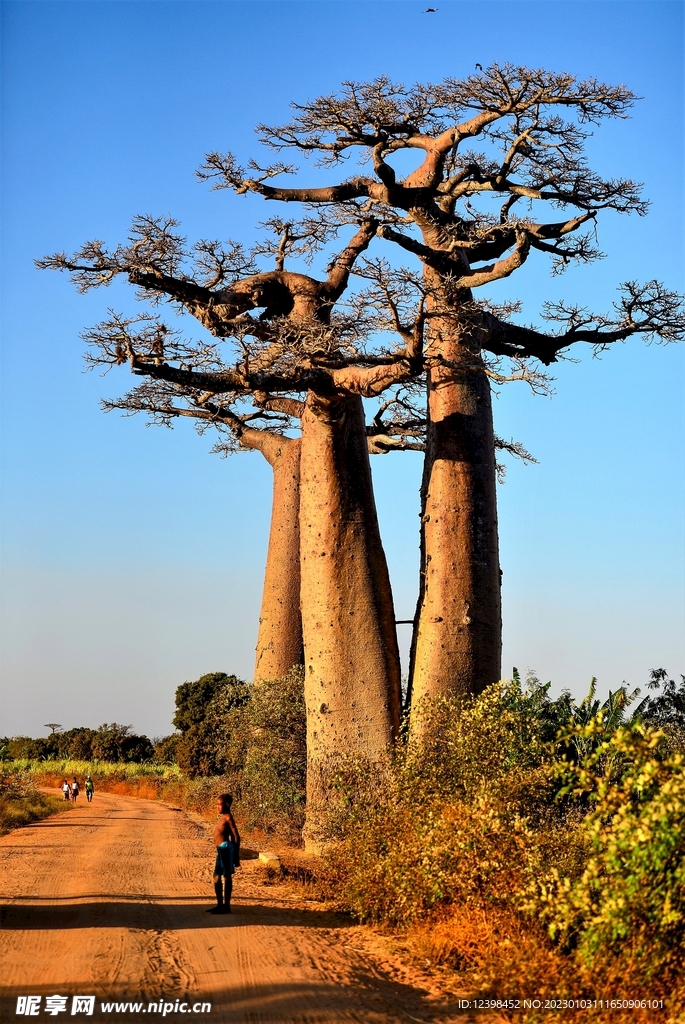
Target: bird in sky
[479, 66]
[430, 10]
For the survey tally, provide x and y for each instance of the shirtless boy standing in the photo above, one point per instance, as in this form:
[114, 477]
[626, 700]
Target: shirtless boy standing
[227, 842]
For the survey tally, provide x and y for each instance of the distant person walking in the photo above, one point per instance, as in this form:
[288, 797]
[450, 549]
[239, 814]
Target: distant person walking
[75, 789]
[227, 842]
[90, 788]
[66, 789]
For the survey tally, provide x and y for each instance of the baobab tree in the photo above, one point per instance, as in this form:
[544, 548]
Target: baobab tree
[298, 346]
[470, 218]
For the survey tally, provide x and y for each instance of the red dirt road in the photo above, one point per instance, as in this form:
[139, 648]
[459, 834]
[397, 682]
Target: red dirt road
[109, 899]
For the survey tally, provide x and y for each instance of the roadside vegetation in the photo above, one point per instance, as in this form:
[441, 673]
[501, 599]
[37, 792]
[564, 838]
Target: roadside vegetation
[533, 846]
[253, 738]
[20, 800]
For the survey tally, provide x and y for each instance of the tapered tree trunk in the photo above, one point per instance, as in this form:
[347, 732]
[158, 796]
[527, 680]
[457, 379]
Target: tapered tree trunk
[457, 642]
[279, 642]
[352, 666]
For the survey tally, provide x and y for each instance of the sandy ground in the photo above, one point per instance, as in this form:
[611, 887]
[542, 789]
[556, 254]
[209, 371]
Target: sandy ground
[109, 900]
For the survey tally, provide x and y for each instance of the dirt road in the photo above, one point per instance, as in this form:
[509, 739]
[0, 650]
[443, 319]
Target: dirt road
[109, 900]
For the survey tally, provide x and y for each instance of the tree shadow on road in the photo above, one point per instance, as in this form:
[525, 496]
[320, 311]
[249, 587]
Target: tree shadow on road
[156, 913]
[359, 996]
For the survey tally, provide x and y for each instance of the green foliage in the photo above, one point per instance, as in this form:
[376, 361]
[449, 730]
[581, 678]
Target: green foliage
[116, 743]
[552, 716]
[666, 709]
[668, 706]
[253, 738]
[108, 743]
[80, 745]
[193, 699]
[210, 741]
[274, 769]
[629, 900]
[166, 748]
[23, 748]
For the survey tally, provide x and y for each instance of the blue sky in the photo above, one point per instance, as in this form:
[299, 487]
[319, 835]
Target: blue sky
[131, 558]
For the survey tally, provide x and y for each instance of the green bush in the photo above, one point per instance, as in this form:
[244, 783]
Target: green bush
[629, 900]
[253, 740]
[210, 741]
[166, 748]
[273, 777]
[664, 708]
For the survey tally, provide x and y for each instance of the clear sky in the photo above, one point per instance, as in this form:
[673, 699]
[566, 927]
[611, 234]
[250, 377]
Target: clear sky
[131, 558]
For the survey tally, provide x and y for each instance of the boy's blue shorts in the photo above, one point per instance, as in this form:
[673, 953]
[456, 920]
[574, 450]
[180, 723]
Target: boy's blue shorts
[224, 860]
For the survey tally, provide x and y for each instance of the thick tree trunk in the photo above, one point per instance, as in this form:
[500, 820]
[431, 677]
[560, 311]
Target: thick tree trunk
[352, 666]
[279, 642]
[457, 642]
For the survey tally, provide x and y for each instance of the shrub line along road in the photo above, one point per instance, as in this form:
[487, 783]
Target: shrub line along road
[109, 899]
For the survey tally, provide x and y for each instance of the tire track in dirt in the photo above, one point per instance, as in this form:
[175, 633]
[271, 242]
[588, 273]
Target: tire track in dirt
[109, 899]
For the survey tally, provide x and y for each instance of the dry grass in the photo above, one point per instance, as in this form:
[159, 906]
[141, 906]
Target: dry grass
[16, 811]
[496, 949]
[496, 953]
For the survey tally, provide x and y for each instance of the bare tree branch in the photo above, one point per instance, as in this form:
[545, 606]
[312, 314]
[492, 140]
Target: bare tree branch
[650, 310]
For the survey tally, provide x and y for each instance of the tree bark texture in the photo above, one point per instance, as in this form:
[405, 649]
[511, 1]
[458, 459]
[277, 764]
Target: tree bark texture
[457, 643]
[352, 665]
[279, 641]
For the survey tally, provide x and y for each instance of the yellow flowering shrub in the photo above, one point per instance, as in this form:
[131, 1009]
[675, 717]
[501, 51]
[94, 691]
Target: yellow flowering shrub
[629, 899]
